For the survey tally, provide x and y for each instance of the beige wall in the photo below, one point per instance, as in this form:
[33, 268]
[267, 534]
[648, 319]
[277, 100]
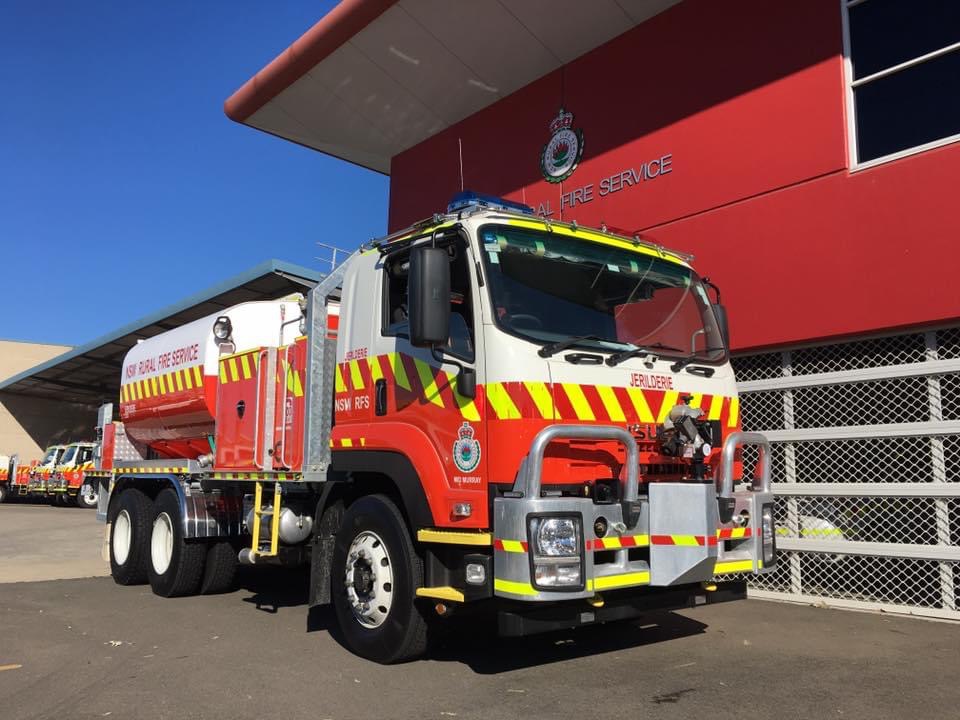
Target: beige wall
[28, 425]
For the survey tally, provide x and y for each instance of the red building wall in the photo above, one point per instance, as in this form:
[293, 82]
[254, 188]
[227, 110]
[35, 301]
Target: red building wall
[746, 102]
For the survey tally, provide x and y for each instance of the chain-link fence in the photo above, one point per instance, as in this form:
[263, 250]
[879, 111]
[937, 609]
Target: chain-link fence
[866, 469]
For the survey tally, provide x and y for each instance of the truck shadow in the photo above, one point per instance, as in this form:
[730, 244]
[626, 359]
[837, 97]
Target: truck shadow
[473, 641]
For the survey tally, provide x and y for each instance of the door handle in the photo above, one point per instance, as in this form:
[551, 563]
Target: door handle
[380, 399]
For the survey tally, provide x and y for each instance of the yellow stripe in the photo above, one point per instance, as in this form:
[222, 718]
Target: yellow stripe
[696, 399]
[178, 379]
[600, 239]
[580, 405]
[430, 390]
[468, 408]
[732, 566]
[611, 404]
[376, 373]
[500, 401]
[734, 412]
[640, 405]
[615, 581]
[245, 366]
[542, 399]
[234, 373]
[514, 588]
[453, 537]
[399, 372]
[687, 540]
[223, 372]
[188, 378]
[669, 400]
[716, 407]
[197, 376]
[346, 442]
[441, 593]
[145, 388]
[514, 546]
[297, 385]
[123, 393]
[162, 384]
[340, 385]
[356, 379]
[153, 386]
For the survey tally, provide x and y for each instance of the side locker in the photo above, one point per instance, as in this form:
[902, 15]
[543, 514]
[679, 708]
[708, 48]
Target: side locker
[289, 417]
[239, 409]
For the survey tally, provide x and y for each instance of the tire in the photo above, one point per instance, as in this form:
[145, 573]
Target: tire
[221, 568]
[377, 615]
[129, 518]
[174, 564]
[4, 493]
[87, 496]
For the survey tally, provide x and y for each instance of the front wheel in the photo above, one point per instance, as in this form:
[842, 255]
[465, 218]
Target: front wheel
[176, 565]
[4, 493]
[376, 572]
[88, 496]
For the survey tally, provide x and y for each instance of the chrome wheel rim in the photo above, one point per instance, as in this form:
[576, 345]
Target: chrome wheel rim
[368, 579]
[89, 494]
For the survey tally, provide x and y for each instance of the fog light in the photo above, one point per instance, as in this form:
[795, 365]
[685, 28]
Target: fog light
[476, 574]
[462, 510]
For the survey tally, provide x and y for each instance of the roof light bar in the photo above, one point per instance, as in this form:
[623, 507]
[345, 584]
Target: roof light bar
[469, 199]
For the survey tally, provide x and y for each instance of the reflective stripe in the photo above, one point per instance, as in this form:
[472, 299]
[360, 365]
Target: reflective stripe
[615, 581]
[542, 399]
[499, 399]
[716, 407]
[611, 404]
[640, 405]
[669, 400]
[454, 537]
[732, 566]
[513, 588]
[428, 382]
[356, 378]
[734, 417]
[579, 401]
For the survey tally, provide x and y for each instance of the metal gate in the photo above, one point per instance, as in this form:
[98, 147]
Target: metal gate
[866, 469]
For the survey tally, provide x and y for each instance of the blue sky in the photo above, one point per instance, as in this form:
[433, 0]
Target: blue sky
[123, 186]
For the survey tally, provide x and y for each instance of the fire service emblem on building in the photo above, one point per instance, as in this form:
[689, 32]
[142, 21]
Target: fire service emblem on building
[561, 155]
[466, 450]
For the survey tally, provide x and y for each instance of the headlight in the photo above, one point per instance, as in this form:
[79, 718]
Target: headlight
[557, 537]
[222, 328]
[557, 552]
[768, 538]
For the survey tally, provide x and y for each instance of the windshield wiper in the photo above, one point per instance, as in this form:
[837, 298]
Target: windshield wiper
[684, 361]
[555, 347]
[619, 357]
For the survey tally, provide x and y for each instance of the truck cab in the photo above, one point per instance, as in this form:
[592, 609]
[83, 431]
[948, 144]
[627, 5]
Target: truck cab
[66, 485]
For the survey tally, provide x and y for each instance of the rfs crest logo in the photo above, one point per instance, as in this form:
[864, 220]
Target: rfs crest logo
[466, 450]
[562, 153]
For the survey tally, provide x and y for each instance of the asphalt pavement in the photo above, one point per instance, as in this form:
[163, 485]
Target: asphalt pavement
[87, 648]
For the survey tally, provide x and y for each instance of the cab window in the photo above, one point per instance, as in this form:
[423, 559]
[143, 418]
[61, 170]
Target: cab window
[395, 302]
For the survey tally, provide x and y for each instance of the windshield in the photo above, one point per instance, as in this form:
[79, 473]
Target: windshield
[68, 455]
[547, 287]
[51, 457]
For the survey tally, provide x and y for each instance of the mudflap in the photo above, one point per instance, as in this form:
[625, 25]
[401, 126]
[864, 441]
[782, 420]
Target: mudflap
[683, 533]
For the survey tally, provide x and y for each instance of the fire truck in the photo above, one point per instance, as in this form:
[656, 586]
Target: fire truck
[30, 479]
[68, 484]
[488, 412]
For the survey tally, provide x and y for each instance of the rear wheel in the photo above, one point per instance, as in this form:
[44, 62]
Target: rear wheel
[4, 493]
[375, 574]
[88, 495]
[129, 518]
[221, 568]
[175, 566]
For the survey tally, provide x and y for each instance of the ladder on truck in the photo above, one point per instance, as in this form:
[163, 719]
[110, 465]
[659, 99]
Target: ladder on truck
[318, 422]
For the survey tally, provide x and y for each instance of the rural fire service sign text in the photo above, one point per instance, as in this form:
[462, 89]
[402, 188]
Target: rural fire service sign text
[163, 362]
[561, 156]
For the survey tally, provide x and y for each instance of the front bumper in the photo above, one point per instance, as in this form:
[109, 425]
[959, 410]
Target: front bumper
[671, 537]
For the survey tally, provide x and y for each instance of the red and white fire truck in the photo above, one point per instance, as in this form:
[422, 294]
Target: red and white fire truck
[486, 412]
[30, 479]
[68, 483]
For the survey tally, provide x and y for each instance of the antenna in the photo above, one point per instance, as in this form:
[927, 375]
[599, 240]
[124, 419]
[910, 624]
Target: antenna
[332, 250]
[460, 144]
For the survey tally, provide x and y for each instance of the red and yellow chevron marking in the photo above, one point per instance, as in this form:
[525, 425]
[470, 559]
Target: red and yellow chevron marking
[414, 380]
[511, 546]
[687, 540]
[348, 442]
[616, 543]
[734, 533]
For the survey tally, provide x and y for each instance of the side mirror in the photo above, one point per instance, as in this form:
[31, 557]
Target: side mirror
[720, 313]
[428, 291]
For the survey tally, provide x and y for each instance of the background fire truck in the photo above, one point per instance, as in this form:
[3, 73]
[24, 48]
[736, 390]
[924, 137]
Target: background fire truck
[487, 412]
[60, 476]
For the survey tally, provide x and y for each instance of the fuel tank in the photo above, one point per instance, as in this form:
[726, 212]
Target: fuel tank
[168, 387]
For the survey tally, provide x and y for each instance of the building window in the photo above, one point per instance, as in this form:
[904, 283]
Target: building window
[903, 59]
